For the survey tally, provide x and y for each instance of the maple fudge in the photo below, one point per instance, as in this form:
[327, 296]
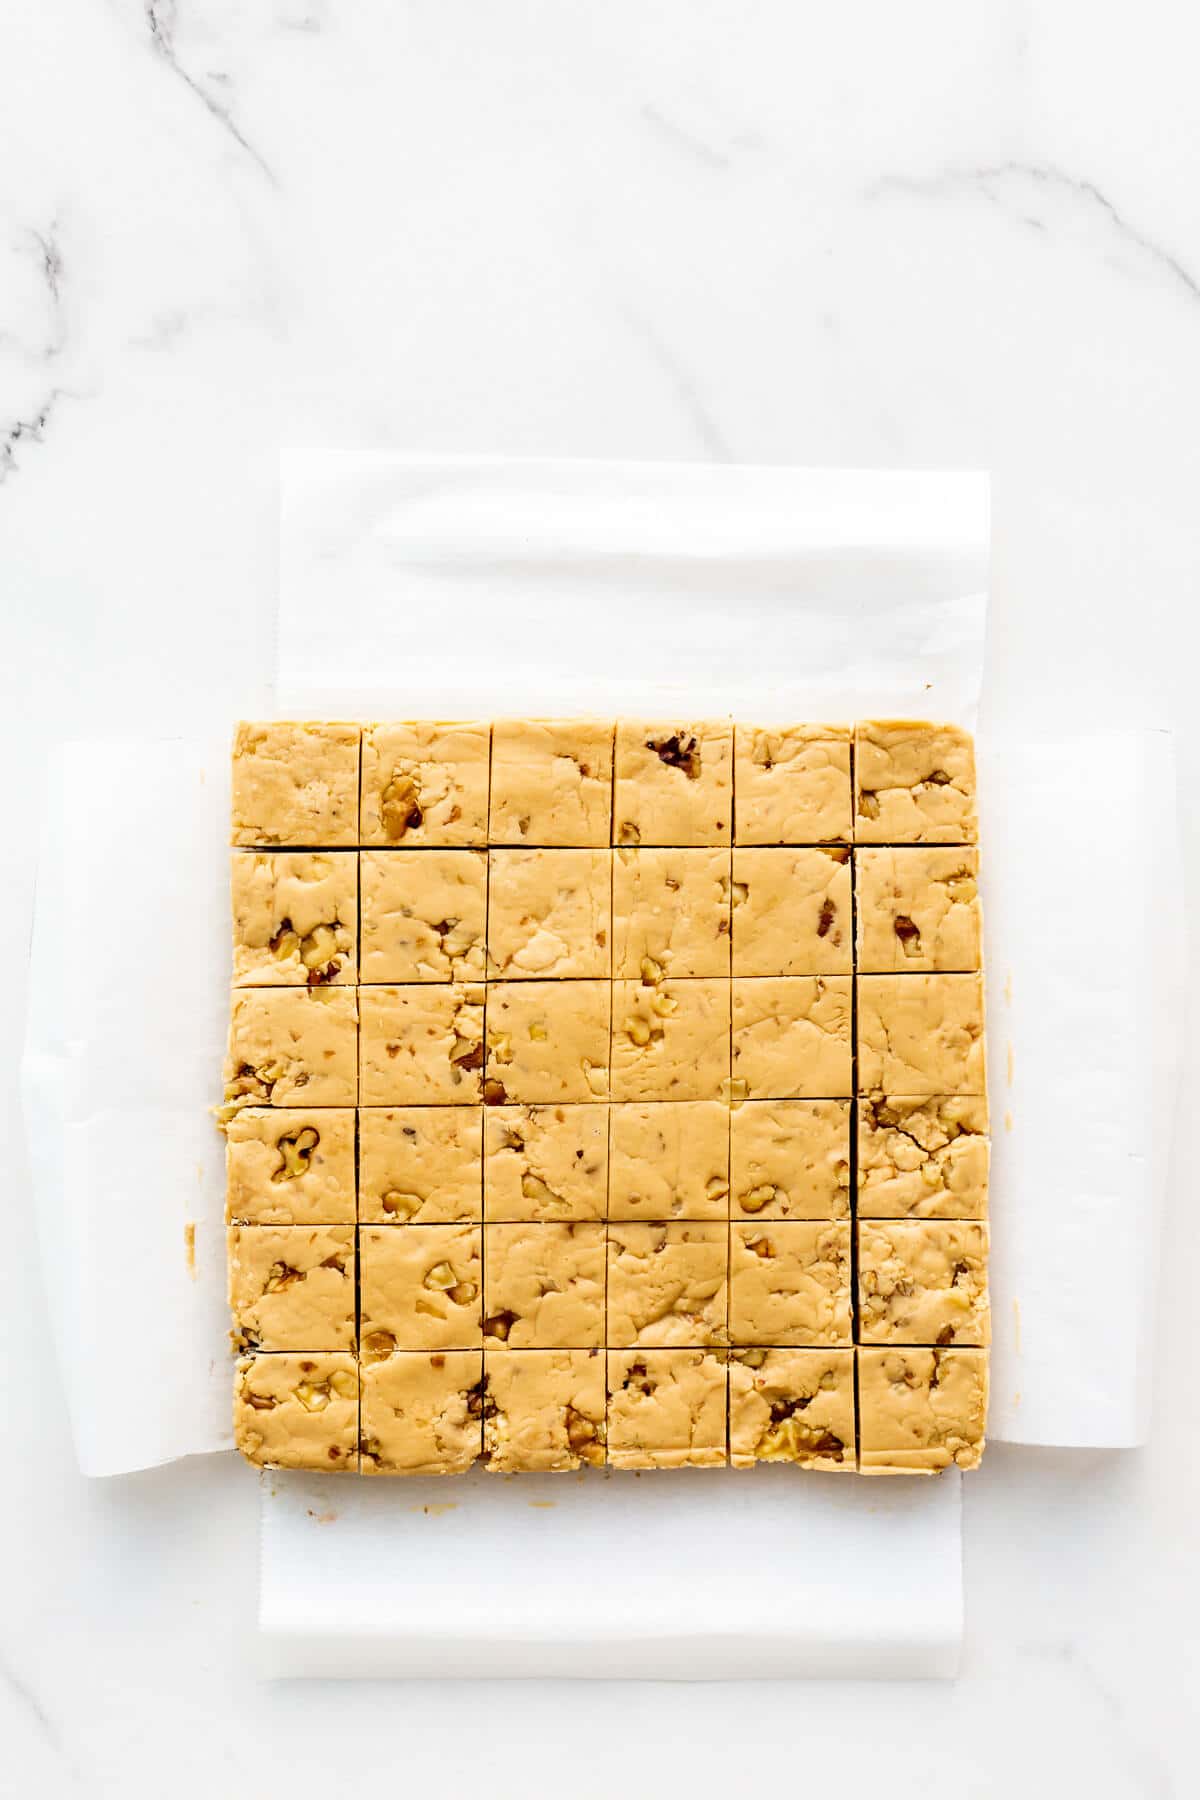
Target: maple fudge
[789, 1283]
[295, 783]
[914, 783]
[669, 1159]
[290, 1166]
[295, 917]
[670, 913]
[422, 1412]
[921, 1410]
[791, 1037]
[423, 915]
[291, 1287]
[790, 1159]
[549, 914]
[551, 782]
[920, 1034]
[917, 909]
[297, 1412]
[547, 1041]
[923, 1159]
[666, 1409]
[670, 1041]
[420, 1165]
[792, 1406]
[292, 1047]
[420, 1288]
[421, 1045]
[544, 1286]
[667, 1284]
[792, 912]
[673, 783]
[792, 784]
[922, 1281]
[545, 1162]
[543, 1410]
[425, 784]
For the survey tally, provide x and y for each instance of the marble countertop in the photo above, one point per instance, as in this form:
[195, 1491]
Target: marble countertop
[964, 236]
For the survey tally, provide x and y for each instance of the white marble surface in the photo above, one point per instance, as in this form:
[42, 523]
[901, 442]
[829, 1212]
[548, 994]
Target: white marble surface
[962, 234]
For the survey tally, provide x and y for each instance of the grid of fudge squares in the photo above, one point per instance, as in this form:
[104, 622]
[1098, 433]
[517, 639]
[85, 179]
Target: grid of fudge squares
[607, 1093]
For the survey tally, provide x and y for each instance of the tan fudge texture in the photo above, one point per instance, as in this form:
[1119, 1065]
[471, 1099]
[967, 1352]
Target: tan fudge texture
[792, 912]
[673, 783]
[545, 1286]
[669, 1160]
[670, 1041]
[670, 913]
[422, 1412]
[420, 1288]
[543, 1410]
[291, 1287]
[420, 1165]
[666, 1409]
[923, 1281]
[292, 1047]
[297, 1412]
[914, 783]
[921, 1410]
[425, 784]
[918, 910]
[789, 1283]
[793, 1406]
[295, 917]
[551, 782]
[423, 915]
[792, 1037]
[545, 1163]
[549, 914]
[421, 1045]
[920, 1034]
[547, 1041]
[790, 1159]
[923, 1158]
[296, 784]
[290, 1166]
[667, 1284]
[792, 784]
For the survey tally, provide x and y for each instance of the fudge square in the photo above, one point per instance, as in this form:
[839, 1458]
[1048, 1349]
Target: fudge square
[295, 784]
[547, 1041]
[673, 783]
[297, 1412]
[666, 1409]
[425, 784]
[920, 1410]
[922, 1281]
[551, 782]
[545, 1162]
[423, 915]
[292, 1047]
[669, 1159]
[920, 1034]
[544, 1286]
[670, 913]
[291, 1287]
[295, 917]
[667, 1284]
[420, 1165]
[420, 1288]
[422, 1412]
[792, 1406]
[792, 912]
[543, 1410]
[670, 1041]
[790, 1159]
[792, 784]
[290, 1166]
[914, 783]
[918, 909]
[549, 914]
[922, 1158]
[791, 1037]
[789, 1283]
[421, 1045]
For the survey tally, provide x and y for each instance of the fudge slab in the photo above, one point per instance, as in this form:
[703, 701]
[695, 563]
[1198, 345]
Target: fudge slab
[549, 914]
[290, 1166]
[923, 1158]
[673, 783]
[547, 1041]
[914, 783]
[421, 1045]
[425, 784]
[545, 1162]
[543, 1410]
[792, 912]
[291, 1287]
[292, 1047]
[792, 784]
[295, 783]
[667, 1284]
[551, 782]
[791, 1037]
[669, 1160]
[295, 917]
[670, 913]
[670, 1041]
[920, 1035]
[422, 1412]
[666, 1409]
[543, 1286]
[793, 1406]
[790, 1159]
[420, 1165]
[789, 1283]
[297, 1412]
[423, 915]
[921, 1410]
[922, 1281]
[420, 1288]
[918, 909]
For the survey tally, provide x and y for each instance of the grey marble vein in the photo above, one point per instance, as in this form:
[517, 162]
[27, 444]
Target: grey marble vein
[29, 1703]
[697, 148]
[681, 384]
[50, 256]
[160, 19]
[25, 431]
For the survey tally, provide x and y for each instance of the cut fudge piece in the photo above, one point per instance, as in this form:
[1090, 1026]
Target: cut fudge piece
[670, 1042]
[792, 784]
[425, 784]
[792, 1406]
[297, 1412]
[922, 1281]
[551, 781]
[419, 1288]
[543, 1409]
[295, 783]
[670, 913]
[423, 915]
[920, 1034]
[917, 909]
[290, 1166]
[666, 1409]
[291, 1287]
[790, 1159]
[789, 1283]
[292, 1047]
[922, 1159]
[420, 1165]
[669, 1160]
[544, 1286]
[295, 917]
[914, 783]
[921, 1410]
[792, 912]
[667, 1284]
[674, 783]
[546, 1041]
[421, 1045]
[545, 1162]
[549, 913]
[791, 1037]
[422, 1412]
